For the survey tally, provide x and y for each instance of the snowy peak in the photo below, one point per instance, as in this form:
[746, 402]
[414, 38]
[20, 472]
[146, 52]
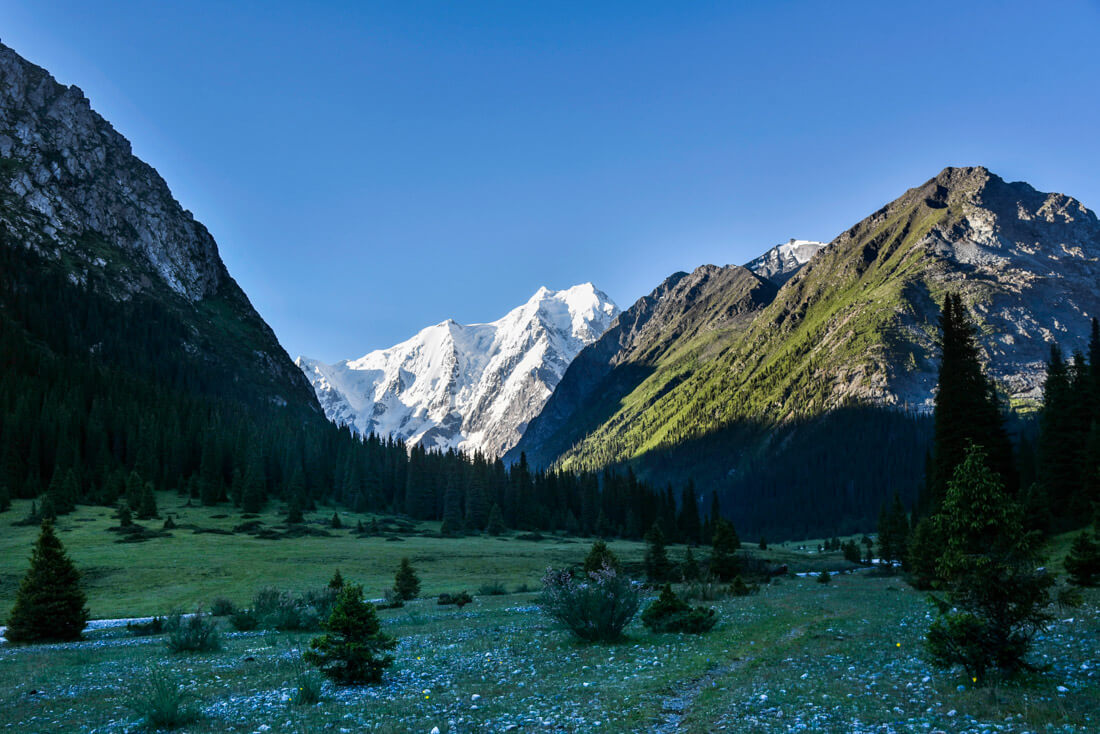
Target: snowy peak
[780, 263]
[470, 387]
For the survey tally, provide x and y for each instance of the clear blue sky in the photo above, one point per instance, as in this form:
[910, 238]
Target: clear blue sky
[372, 168]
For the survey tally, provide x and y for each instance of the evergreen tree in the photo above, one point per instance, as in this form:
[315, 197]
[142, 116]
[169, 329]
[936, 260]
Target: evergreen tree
[1083, 561]
[452, 509]
[496, 521]
[49, 604]
[599, 556]
[406, 584]
[294, 511]
[723, 557]
[997, 597]
[893, 532]
[354, 648]
[335, 522]
[691, 566]
[147, 510]
[688, 521]
[5, 496]
[966, 409]
[337, 581]
[253, 487]
[657, 566]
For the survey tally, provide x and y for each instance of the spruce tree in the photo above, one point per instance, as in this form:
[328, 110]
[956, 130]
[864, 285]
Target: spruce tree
[496, 521]
[452, 509]
[599, 556]
[997, 597]
[337, 581]
[966, 408]
[49, 604]
[691, 566]
[353, 649]
[147, 510]
[1083, 561]
[723, 557]
[688, 521]
[657, 565]
[406, 584]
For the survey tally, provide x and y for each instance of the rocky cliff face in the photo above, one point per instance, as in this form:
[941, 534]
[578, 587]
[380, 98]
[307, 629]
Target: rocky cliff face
[780, 263]
[469, 387]
[72, 192]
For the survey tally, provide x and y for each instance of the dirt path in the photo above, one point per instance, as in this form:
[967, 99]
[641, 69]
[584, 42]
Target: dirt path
[674, 708]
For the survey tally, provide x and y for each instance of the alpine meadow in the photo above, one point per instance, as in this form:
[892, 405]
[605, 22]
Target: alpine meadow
[850, 485]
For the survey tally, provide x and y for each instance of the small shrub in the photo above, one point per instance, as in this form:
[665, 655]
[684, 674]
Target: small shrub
[670, 613]
[391, 600]
[353, 650]
[523, 589]
[154, 626]
[1083, 561]
[222, 607]
[824, 577]
[596, 609]
[738, 587]
[283, 611]
[161, 702]
[492, 588]
[194, 633]
[459, 600]
[244, 620]
[704, 589]
[599, 556]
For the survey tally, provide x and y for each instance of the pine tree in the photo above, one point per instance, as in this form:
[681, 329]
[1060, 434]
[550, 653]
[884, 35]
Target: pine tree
[966, 408]
[688, 521]
[49, 604]
[997, 597]
[452, 509]
[599, 556]
[657, 565]
[353, 650]
[691, 566]
[406, 584]
[335, 522]
[337, 581]
[1083, 561]
[496, 521]
[724, 546]
[147, 510]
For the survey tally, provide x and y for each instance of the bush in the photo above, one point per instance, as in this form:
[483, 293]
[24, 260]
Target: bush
[222, 607]
[354, 646]
[391, 600]
[244, 620]
[160, 701]
[283, 611]
[670, 613]
[193, 633]
[492, 588]
[596, 609]
[738, 587]
[459, 600]
[704, 589]
[824, 577]
[599, 556]
[154, 626]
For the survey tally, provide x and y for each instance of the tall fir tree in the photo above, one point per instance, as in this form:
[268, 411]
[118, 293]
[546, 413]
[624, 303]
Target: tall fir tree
[49, 605]
[688, 521]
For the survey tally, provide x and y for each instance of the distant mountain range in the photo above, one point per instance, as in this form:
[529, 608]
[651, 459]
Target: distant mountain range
[469, 387]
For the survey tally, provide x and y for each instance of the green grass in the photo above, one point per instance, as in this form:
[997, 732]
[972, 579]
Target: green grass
[842, 657]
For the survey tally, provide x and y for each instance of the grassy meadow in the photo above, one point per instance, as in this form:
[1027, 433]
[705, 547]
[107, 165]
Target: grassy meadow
[798, 656]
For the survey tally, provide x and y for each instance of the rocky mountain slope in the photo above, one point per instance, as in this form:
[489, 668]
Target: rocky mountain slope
[76, 201]
[780, 263]
[470, 387]
[852, 331]
[655, 341]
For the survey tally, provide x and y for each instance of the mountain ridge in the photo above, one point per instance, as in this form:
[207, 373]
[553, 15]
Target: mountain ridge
[470, 387]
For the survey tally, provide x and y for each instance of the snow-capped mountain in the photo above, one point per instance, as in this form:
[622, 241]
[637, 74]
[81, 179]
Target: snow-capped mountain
[470, 387]
[781, 262]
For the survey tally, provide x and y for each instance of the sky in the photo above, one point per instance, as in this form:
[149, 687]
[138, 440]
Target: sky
[369, 169]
